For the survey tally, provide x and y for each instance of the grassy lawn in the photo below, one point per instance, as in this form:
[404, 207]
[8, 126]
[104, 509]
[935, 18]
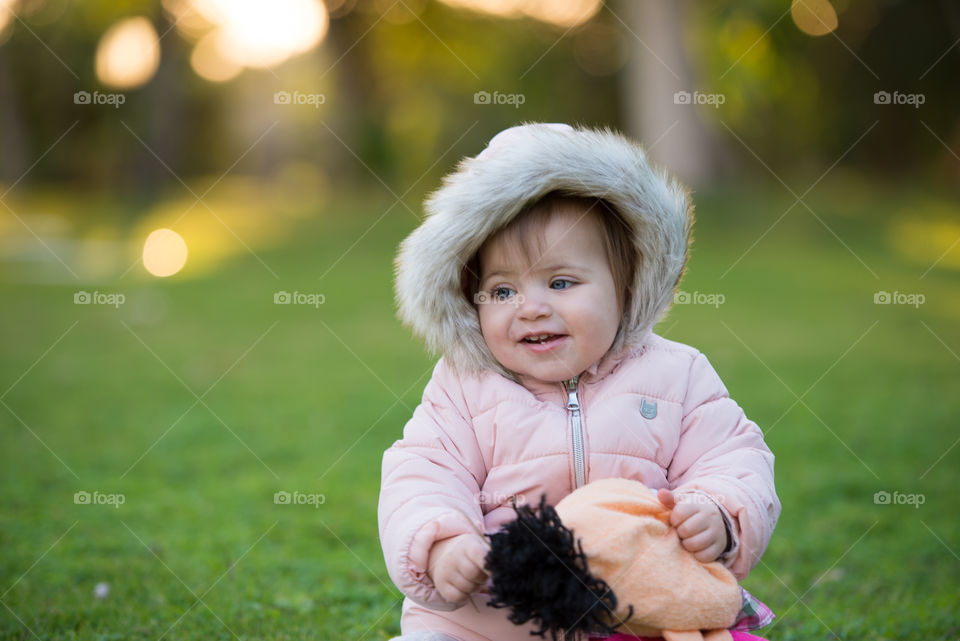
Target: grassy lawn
[198, 399]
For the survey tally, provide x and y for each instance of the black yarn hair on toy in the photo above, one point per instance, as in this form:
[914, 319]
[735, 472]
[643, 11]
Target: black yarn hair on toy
[539, 571]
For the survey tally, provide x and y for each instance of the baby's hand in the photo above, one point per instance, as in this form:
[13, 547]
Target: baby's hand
[456, 566]
[698, 522]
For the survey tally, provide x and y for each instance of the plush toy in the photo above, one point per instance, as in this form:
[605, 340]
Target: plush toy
[606, 562]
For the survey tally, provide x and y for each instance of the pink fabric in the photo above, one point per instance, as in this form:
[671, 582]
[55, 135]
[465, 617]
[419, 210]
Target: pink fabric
[737, 636]
[474, 444]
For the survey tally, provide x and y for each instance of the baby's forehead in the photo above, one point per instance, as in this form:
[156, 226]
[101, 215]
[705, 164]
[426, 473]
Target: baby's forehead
[507, 255]
[547, 238]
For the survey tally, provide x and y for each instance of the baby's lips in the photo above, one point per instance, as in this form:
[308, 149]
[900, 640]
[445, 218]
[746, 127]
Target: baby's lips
[524, 338]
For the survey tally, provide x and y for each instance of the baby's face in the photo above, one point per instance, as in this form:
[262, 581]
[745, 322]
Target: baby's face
[553, 315]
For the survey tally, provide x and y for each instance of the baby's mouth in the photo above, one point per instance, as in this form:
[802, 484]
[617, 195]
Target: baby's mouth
[541, 338]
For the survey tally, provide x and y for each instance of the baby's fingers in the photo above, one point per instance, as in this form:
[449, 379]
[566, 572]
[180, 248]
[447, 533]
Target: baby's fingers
[452, 592]
[475, 551]
[709, 553]
[666, 497]
[682, 513]
[693, 524]
[705, 545]
[458, 587]
[698, 542]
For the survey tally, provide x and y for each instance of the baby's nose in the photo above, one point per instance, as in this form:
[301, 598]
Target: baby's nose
[532, 306]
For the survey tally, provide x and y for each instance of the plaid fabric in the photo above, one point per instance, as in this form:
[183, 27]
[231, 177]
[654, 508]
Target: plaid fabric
[754, 614]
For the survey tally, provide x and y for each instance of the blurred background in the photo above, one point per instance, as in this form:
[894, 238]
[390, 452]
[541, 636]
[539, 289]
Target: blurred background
[136, 105]
[200, 201]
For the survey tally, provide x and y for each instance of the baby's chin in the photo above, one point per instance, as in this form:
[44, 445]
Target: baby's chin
[546, 375]
[555, 371]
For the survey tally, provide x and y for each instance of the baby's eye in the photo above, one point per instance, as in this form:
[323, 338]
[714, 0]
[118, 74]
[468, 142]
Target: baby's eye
[560, 283]
[502, 293]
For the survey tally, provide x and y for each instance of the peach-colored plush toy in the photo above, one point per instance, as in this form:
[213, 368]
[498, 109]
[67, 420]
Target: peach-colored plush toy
[605, 559]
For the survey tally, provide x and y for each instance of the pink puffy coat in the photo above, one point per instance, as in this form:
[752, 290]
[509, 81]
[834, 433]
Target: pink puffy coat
[474, 443]
[651, 410]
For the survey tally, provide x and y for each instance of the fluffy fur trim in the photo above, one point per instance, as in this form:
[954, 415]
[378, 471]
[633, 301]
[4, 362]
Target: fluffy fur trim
[519, 166]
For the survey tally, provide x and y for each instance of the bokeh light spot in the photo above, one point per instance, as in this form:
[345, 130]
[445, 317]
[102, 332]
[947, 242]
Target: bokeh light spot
[128, 54]
[253, 33]
[164, 252]
[563, 13]
[208, 61]
[814, 17]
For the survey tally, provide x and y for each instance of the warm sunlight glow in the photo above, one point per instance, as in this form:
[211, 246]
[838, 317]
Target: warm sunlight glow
[209, 63]
[128, 54]
[6, 14]
[564, 13]
[930, 237]
[164, 253]
[186, 18]
[253, 33]
[814, 17]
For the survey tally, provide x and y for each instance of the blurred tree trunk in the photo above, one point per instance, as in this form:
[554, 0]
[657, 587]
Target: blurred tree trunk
[658, 66]
[162, 122]
[354, 71]
[12, 127]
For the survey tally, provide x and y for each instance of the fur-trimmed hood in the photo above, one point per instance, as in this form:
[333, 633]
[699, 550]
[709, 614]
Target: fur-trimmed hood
[519, 166]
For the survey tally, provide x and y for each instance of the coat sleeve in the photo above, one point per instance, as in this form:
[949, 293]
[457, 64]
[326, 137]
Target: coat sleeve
[429, 486]
[722, 453]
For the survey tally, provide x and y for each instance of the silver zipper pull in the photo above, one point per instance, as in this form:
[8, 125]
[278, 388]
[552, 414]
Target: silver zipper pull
[573, 406]
[573, 403]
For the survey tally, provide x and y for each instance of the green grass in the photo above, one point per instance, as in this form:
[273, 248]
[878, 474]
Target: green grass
[302, 399]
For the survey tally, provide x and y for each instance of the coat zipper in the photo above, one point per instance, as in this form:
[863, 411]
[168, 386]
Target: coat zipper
[573, 406]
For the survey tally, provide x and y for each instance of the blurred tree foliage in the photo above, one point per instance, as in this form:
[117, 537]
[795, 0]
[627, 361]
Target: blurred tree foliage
[400, 80]
[796, 98]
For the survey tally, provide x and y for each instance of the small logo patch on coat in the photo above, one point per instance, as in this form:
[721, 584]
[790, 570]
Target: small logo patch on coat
[647, 409]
